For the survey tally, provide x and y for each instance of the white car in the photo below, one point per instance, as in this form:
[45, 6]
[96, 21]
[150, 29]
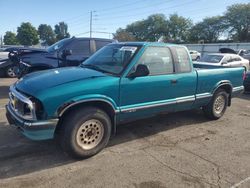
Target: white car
[195, 55]
[220, 59]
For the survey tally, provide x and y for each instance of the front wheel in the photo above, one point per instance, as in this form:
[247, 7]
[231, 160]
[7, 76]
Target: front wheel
[85, 132]
[217, 106]
[10, 71]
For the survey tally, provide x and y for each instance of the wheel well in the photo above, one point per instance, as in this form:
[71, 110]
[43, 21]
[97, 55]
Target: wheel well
[228, 89]
[98, 104]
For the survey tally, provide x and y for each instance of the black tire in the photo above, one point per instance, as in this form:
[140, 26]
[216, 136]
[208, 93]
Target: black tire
[210, 109]
[247, 89]
[72, 126]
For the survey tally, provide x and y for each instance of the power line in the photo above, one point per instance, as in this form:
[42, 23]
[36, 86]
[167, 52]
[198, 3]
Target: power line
[148, 12]
[190, 11]
[139, 8]
[101, 10]
[121, 6]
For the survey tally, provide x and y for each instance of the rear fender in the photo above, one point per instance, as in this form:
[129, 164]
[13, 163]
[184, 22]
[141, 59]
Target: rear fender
[227, 86]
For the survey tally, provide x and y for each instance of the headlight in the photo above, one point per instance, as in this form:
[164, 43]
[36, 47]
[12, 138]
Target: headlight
[25, 107]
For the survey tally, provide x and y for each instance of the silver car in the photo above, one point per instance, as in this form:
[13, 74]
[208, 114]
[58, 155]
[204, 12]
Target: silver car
[219, 59]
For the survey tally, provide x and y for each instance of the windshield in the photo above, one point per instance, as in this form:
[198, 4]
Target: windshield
[111, 59]
[211, 58]
[57, 45]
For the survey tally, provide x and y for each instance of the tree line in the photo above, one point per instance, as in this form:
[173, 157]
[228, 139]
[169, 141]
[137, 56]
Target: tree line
[232, 26]
[28, 35]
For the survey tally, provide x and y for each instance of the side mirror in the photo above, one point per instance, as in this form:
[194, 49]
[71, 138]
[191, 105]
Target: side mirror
[66, 53]
[141, 70]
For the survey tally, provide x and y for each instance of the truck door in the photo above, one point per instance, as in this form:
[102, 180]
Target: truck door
[145, 96]
[185, 79]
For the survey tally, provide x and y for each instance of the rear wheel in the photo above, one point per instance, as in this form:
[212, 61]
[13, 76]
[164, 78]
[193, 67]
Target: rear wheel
[85, 132]
[217, 106]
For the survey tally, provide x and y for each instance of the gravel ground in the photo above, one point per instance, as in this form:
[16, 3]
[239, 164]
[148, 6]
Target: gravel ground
[175, 150]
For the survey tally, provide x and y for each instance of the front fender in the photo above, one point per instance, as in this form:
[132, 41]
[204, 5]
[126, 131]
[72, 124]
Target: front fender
[86, 98]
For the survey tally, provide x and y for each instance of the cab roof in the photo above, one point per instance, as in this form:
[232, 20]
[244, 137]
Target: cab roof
[148, 43]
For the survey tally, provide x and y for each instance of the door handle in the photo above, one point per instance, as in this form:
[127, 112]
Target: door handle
[174, 81]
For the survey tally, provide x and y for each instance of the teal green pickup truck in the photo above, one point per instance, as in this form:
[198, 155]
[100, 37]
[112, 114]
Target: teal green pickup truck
[122, 82]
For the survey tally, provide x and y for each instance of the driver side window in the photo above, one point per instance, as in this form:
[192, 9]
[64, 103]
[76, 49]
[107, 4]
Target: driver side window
[158, 60]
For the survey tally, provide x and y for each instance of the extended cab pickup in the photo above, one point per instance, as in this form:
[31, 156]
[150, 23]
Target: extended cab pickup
[122, 82]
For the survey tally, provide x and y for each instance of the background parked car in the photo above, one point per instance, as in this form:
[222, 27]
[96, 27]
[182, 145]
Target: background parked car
[220, 59]
[247, 82]
[195, 55]
[67, 52]
[243, 53]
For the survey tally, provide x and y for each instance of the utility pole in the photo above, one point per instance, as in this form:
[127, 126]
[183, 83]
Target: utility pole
[1, 41]
[90, 25]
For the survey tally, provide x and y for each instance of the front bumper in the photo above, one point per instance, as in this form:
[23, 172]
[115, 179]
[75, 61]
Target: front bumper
[35, 130]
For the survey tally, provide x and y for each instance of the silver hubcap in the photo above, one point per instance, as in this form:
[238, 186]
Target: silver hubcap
[90, 134]
[219, 104]
[11, 72]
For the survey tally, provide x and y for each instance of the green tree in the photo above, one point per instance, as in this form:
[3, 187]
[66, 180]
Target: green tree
[209, 30]
[122, 35]
[10, 38]
[155, 27]
[46, 34]
[178, 28]
[27, 34]
[237, 18]
[150, 29]
[61, 31]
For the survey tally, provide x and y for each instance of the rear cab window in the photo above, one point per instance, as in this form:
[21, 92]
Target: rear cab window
[182, 60]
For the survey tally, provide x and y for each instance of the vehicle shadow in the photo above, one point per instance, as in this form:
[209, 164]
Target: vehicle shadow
[245, 95]
[19, 156]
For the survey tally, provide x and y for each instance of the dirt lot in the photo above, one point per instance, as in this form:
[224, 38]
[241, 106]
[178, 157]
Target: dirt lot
[176, 150]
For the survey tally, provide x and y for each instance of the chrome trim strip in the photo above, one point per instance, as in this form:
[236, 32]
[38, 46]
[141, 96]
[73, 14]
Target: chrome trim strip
[185, 99]
[158, 104]
[87, 100]
[203, 95]
[239, 88]
[24, 99]
[133, 109]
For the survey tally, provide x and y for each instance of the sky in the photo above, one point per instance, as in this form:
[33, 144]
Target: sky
[108, 15]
